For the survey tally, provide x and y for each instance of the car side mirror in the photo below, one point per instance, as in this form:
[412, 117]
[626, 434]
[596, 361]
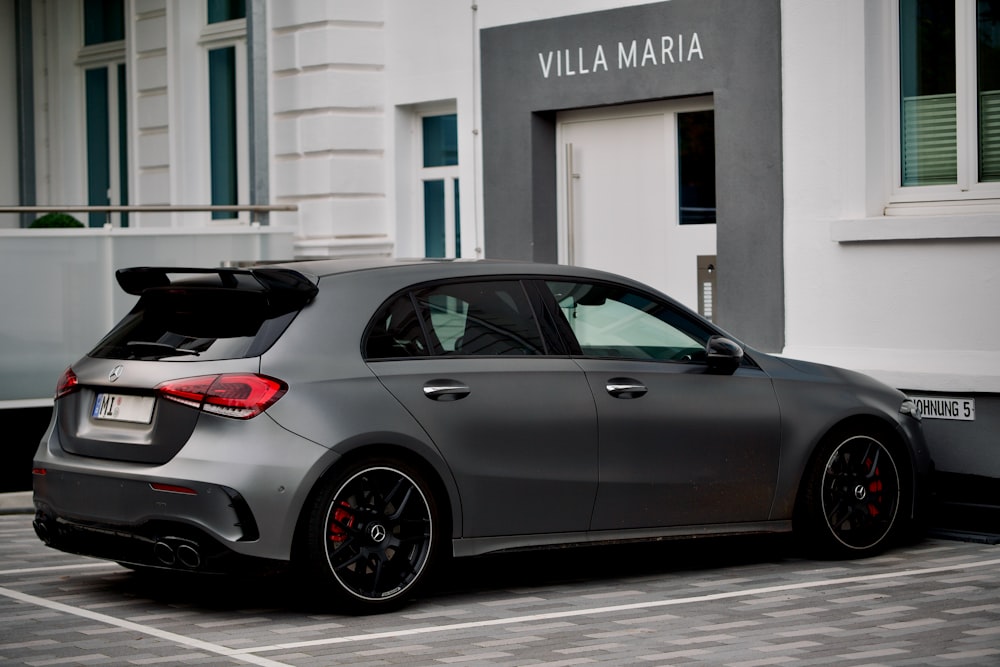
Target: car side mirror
[723, 355]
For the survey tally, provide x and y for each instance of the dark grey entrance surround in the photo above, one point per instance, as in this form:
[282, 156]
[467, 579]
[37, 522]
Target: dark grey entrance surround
[730, 50]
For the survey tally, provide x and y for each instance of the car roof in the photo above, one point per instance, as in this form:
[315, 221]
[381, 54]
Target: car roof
[443, 268]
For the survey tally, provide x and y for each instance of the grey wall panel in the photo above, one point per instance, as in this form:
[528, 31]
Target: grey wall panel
[532, 70]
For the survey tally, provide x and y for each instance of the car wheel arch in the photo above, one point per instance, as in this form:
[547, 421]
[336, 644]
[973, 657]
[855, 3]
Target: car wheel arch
[875, 427]
[445, 493]
[861, 423]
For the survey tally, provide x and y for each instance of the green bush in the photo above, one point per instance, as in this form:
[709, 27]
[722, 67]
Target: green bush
[50, 220]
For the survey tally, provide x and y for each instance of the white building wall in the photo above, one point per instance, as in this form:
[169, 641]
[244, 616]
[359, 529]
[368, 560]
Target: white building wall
[432, 65]
[328, 109]
[59, 102]
[504, 12]
[150, 110]
[349, 83]
[431, 69]
[910, 299]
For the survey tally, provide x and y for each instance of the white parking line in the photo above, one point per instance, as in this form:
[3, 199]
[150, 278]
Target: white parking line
[180, 640]
[595, 611]
[59, 568]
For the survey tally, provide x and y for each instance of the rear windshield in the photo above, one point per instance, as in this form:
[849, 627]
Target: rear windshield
[196, 324]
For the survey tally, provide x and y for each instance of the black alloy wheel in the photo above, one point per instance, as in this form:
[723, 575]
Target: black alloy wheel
[373, 535]
[854, 495]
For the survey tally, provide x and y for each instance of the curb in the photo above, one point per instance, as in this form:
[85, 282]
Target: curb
[19, 502]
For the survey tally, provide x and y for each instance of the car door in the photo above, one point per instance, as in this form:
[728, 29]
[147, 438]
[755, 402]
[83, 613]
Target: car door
[679, 444]
[515, 423]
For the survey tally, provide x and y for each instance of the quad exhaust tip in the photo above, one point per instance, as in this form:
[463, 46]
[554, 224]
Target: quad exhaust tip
[177, 552]
[189, 556]
[170, 551]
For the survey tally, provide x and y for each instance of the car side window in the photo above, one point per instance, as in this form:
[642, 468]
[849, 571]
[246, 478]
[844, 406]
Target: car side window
[613, 322]
[396, 332]
[477, 318]
[480, 319]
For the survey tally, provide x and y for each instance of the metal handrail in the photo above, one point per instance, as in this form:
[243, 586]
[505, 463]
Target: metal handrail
[151, 208]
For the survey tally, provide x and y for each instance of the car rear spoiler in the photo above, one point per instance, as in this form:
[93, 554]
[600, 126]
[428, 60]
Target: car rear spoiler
[285, 284]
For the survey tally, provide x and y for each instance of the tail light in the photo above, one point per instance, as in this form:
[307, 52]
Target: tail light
[236, 395]
[173, 488]
[67, 383]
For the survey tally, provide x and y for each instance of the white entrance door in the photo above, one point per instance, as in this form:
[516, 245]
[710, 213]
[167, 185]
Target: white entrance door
[619, 196]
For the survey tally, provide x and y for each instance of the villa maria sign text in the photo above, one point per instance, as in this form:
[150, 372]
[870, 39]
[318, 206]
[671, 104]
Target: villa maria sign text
[651, 52]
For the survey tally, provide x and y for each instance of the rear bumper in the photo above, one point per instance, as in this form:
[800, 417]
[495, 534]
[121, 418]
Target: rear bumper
[132, 521]
[121, 501]
[155, 544]
[240, 484]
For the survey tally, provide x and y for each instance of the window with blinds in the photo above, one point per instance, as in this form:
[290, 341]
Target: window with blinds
[944, 48]
[930, 147]
[989, 135]
[988, 87]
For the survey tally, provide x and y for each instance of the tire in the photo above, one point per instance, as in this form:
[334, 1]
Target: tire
[855, 500]
[373, 533]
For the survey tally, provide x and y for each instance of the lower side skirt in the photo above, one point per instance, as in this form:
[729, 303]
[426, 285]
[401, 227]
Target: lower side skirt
[477, 546]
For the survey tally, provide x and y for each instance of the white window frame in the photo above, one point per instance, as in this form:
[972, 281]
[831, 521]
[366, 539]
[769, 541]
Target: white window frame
[967, 194]
[108, 56]
[449, 174]
[218, 36]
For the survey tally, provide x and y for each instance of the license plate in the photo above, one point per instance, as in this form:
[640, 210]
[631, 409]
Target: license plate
[124, 408]
[946, 407]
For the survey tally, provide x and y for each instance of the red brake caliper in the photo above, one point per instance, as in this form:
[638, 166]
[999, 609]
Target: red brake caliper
[342, 517]
[875, 486]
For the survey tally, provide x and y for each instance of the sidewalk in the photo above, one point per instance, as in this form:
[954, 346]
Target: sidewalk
[16, 503]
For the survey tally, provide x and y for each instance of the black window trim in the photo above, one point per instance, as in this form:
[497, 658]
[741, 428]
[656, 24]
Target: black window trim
[571, 343]
[532, 297]
[557, 338]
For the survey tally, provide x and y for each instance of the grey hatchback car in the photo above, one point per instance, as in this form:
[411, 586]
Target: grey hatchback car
[364, 420]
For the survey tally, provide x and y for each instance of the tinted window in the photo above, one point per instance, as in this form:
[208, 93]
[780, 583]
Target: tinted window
[226, 10]
[200, 324]
[396, 332]
[696, 167]
[610, 321]
[479, 319]
[103, 21]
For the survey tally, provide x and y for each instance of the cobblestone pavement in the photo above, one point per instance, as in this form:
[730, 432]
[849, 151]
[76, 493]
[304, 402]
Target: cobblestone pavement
[721, 602]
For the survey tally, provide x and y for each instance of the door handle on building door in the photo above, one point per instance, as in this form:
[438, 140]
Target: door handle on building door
[570, 210]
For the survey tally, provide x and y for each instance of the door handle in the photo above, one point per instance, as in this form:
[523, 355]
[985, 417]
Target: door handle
[570, 210]
[445, 390]
[625, 388]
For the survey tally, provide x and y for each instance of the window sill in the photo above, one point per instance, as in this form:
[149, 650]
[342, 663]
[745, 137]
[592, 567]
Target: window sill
[932, 370]
[909, 228]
